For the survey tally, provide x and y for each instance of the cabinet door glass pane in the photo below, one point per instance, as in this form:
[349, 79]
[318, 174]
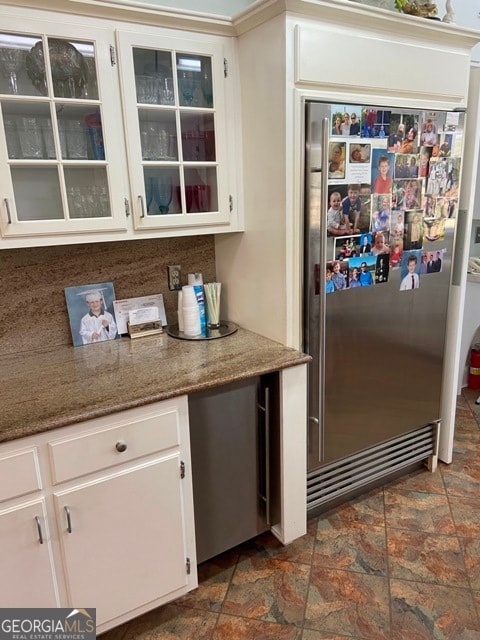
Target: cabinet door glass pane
[198, 137]
[201, 189]
[162, 190]
[15, 75]
[153, 76]
[177, 155]
[28, 130]
[158, 134]
[37, 193]
[87, 192]
[72, 65]
[194, 77]
[80, 132]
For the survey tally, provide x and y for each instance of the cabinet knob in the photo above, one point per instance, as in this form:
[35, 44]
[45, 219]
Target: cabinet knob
[121, 446]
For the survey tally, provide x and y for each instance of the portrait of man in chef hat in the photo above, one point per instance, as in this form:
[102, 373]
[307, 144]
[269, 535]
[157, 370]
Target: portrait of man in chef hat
[90, 319]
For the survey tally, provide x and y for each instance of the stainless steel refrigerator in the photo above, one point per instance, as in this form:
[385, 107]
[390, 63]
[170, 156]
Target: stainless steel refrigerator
[381, 200]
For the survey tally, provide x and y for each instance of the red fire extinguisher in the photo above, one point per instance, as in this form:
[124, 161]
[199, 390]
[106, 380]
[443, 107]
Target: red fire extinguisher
[474, 372]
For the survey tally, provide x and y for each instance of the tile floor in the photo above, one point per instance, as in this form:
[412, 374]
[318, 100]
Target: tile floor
[399, 563]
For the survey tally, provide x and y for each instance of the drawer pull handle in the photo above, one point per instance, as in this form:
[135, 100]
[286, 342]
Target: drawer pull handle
[39, 529]
[69, 520]
[121, 446]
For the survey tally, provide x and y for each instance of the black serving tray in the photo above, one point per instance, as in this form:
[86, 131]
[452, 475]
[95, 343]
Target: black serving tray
[225, 329]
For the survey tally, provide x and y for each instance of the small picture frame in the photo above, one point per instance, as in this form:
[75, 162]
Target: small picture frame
[139, 307]
[91, 314]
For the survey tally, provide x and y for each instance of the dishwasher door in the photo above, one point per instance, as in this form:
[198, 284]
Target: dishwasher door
[227, 439]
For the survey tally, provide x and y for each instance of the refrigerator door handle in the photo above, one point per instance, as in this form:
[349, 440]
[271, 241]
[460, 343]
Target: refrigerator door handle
[323, 297]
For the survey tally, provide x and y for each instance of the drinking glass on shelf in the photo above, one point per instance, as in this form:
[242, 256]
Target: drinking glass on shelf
[155, 140]
[75, 202]
[102, 201]
[47, 135]
[167, 94]
[76, 135]
[187, 87]
[207, 88]
[164, 144]
[162, 193]
[201, 196]
[11, 134]
[30, 138]
[150, 140]
[145, 90]
[11, 61]
[90, 202]
[62, 137]
[188, 197]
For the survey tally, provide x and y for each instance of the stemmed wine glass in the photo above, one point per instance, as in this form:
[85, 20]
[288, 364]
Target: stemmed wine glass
[163, 193]
[206, 87]
[11, 61]
[201, 196]
[187, 87]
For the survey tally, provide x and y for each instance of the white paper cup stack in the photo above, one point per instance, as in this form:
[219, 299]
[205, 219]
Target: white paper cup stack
[191, 313]
[180, 310]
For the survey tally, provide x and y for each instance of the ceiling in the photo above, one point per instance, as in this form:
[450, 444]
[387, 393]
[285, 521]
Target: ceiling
[218, 7]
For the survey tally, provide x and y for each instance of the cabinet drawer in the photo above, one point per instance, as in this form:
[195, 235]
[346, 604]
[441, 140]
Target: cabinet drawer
[19, 474]
[95, 450]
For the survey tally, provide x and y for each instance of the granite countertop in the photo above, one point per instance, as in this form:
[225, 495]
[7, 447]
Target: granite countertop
[54, 387]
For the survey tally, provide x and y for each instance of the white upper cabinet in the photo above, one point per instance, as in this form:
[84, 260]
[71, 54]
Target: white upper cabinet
[174, 98]
[60, 152]
[115, 131]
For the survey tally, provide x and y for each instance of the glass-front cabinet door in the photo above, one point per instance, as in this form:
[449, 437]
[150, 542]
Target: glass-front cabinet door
[60, 157]
[174, 106]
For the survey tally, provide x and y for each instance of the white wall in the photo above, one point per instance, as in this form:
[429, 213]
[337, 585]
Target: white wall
[471, 316]
[467, 15]
[470, 330]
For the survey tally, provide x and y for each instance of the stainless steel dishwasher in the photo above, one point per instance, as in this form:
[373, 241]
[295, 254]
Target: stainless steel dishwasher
[234, 452]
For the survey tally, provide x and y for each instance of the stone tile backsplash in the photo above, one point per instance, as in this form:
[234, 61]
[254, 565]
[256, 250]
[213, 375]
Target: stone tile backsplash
[34, 314]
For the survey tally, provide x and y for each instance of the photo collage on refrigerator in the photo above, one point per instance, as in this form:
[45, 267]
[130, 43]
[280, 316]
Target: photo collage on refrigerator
[393, 181]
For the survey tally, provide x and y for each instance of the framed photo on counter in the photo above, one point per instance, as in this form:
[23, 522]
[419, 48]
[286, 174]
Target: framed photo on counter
[91, 313]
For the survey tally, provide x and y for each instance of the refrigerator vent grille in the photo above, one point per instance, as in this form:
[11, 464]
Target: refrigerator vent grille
[341, 477]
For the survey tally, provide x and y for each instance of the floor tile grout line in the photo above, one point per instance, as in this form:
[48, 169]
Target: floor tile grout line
[229, 585]
[387, 562]
[216, 623]
[307, 593]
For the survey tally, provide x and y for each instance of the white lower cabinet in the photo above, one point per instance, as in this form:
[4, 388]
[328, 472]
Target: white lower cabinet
[108, 519]
[126, 529]
[28, 575]
[26, 559]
